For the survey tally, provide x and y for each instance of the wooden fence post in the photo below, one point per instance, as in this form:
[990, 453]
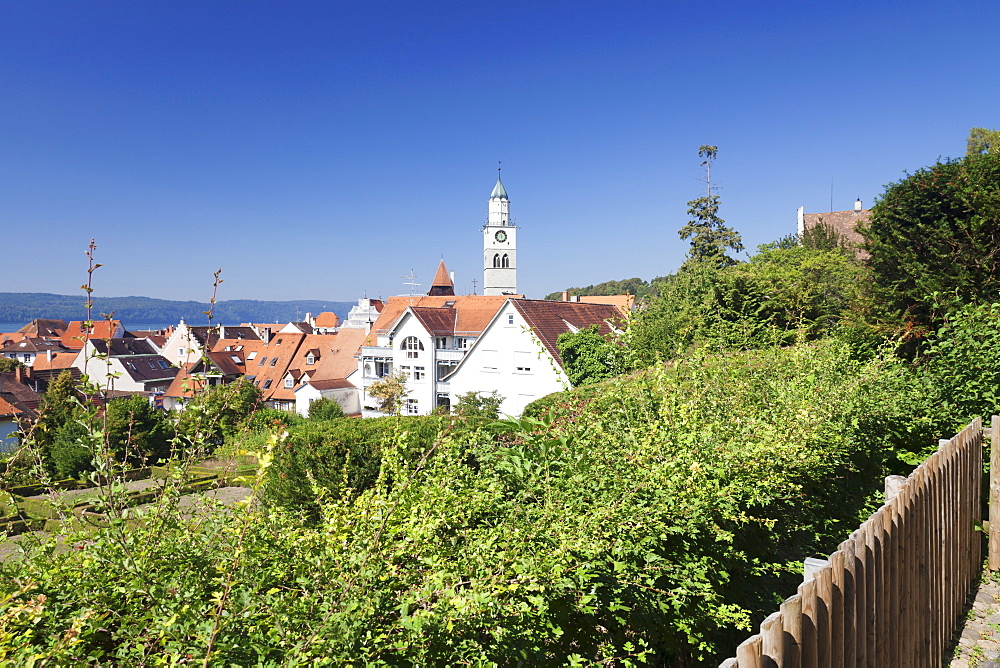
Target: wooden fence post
[994, 545]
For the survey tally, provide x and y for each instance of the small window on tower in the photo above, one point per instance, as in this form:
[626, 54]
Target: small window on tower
[496, 261]
[505, 262]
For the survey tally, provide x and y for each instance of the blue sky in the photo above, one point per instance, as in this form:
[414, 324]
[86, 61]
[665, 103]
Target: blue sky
[321, 150]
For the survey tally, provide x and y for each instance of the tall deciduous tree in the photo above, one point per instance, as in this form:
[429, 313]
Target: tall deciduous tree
[981, 141]
[934, 239]
[709, 234]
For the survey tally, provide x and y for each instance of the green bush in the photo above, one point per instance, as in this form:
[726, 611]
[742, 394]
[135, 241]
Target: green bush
[320, 461]
[72, 450]
[325, 409]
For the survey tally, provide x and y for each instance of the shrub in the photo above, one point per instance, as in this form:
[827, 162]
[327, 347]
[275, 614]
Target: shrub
[325, 409]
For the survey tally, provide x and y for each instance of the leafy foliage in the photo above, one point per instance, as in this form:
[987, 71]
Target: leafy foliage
[632, 286]
[589, 357]
[982, 141]
[7, 364]
[390, 392]
[218, 411]
[479, 405]
[709, 234]
[937, 231]
[325, 409]
[137, 432]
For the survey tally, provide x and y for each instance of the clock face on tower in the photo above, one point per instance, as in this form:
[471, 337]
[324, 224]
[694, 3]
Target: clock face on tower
[500, 236]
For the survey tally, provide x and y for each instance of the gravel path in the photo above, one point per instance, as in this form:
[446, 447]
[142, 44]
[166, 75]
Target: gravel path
[978, 643]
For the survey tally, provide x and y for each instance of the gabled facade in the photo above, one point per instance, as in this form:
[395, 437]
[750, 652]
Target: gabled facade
[516, 355]
[127, 365]
[187, 343]
[425, 338]
[28, 349]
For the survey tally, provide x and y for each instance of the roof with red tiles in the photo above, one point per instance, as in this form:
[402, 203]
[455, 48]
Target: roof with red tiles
[75, 335]
[327, 320]
[549, 319]
[442, 286]
[334, 384]
[49, 328]
[472, 312]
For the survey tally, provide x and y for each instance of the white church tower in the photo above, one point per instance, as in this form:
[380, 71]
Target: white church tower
[499, 246]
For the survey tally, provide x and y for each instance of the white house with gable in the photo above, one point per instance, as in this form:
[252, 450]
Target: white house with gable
[516, 355]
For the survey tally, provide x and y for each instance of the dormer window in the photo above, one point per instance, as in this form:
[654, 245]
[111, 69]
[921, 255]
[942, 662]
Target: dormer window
[289, 383]
[310, 359]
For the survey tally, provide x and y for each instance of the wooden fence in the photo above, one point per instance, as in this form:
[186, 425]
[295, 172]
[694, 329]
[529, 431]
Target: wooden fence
[892, 594]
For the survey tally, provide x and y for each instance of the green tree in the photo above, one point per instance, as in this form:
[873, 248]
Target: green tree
[7, 364]
[219, 411]
[390, 392]
[59, 405]
[588, 357]
[709, 234]
[325, 409]
[822, 236]
[478, 404]
[937, 232]
[981, 141]
[136, 431]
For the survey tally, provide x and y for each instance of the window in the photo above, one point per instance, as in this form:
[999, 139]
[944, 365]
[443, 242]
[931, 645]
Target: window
[489, 358]
[383, 367]
[463, 342]
[310, 359]
[251, 355]
[510, 318]
[496, 261]
[274, 360]
[235, 359]
[419, 372]
[267, 383]
[164, 365]
[412, 408]
[262, 360]
[522, 362]
[444, 367]
[505, 262]
[440, 342]
[404, 369]
[413, 347]
[444, 400]
[289, 383]
[181, 351]
[152, 365]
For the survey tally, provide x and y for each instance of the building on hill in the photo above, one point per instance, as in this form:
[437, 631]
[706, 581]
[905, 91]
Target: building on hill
[844, 223]
[516, 354]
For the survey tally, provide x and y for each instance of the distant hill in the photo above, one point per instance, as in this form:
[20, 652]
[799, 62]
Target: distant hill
[633, 286]
[26, 306]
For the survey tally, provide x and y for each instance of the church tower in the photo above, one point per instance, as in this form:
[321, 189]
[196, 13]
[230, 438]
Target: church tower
[499, 246]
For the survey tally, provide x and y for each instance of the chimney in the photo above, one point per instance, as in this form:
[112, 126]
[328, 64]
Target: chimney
[857, 205]
[265, 333]
[48, 355]
[565, 295]
[19, 375]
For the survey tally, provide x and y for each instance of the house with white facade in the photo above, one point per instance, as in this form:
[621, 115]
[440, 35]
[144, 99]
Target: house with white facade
[516, 354]
[129, 365]
[424, 337]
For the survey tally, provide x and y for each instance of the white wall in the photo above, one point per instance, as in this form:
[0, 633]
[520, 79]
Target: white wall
[492, 365]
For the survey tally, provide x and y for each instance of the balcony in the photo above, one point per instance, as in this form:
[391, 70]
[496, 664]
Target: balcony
[449, 354]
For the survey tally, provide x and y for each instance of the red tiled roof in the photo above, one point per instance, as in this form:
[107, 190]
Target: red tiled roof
[334, 384]
[549, 319]
[327, 320]
[441, 286]
[74, 336]
[473, 312]
[440, 321]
